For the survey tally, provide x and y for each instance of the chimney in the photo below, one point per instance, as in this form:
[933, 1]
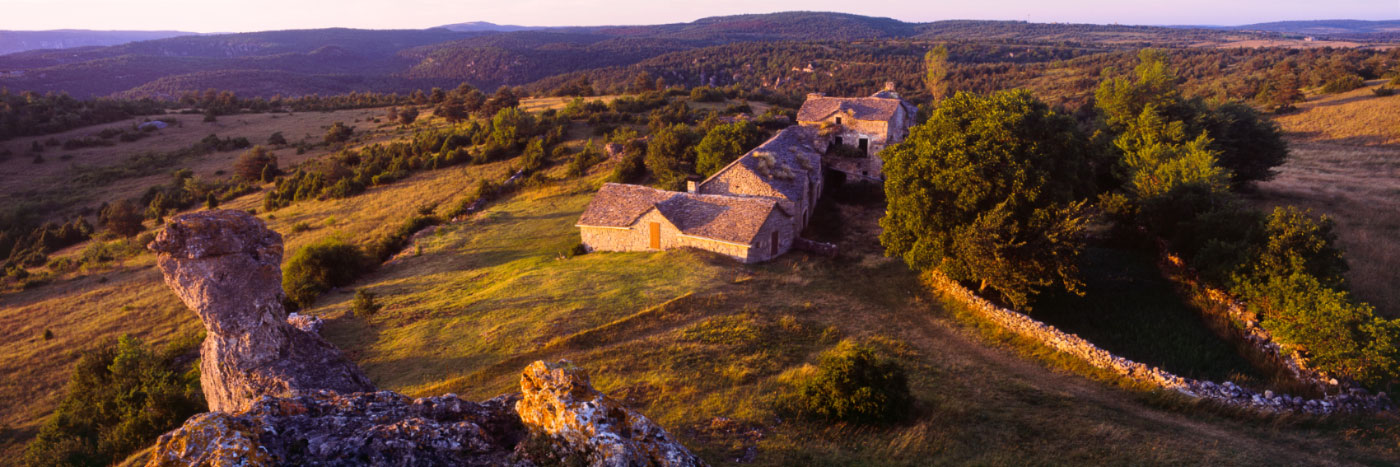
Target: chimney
[692, 185]
[889, 86]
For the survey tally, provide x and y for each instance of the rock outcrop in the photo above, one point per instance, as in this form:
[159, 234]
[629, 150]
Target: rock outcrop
[368, 428]
[226, 266]
[281, 395]
[558, 403]
[558, 418]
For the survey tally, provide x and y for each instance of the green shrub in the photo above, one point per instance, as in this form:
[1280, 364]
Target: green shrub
[119, 398]
[364, 305]
[1343, 84]
[318, 267]
[1383, 91]
[851, 384]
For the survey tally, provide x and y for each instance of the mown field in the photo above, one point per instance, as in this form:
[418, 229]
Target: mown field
[1345, 162]
[697, 342]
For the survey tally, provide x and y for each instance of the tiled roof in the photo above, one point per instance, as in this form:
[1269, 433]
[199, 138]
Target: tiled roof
[782, 163]
[618, 205]
[736, 219]
[817, 108]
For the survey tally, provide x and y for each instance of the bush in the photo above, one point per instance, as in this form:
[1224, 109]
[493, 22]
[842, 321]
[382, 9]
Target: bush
[851, 384]
[1383, 91]
[364, 305]
[1343, 84]
[119, 399]
[318, 267]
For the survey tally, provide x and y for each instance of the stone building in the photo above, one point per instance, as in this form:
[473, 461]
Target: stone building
[865, 124]
[755, 208]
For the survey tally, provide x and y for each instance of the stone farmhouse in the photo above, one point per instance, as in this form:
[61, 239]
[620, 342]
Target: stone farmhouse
[755, 208]
[865, 124]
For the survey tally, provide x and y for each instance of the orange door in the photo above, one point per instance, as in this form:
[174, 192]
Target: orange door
[655, 228]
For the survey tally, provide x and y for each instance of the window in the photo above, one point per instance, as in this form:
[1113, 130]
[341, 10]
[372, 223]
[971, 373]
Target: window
[655, 228]
[864, 145]
[838, 140]
[838, 120]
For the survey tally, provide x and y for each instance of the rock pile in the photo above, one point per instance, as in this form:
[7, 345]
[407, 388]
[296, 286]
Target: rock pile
[281, 395]
[227, 267]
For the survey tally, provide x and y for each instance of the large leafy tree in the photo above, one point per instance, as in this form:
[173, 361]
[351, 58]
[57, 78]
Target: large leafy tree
[987, 190]
[724, 143]
[936, 71]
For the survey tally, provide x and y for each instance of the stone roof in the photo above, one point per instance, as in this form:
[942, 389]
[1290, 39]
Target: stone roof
[618, 205]
[736, 219]
[817, 108]
[782, 163]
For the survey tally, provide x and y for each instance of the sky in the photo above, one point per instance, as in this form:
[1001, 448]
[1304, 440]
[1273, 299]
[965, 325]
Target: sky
[259, 15]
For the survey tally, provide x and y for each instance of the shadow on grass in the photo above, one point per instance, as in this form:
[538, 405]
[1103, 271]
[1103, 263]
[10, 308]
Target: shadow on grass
[1131, 310]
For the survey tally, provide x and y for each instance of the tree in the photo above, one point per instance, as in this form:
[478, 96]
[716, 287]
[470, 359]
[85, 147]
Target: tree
[643, 82]
[211, 201]
[724, 143]
[1281, 88]
[986, 190]
[1250, 145]
[1159, 157]
[473, 100]
[670, 156]
[339, 133]
[451, 109]
[510, 127]
[253, 163]
[936, 72]
[123, 218]
[437, 95]
[504, 98]
[277, 139]
[318, 267]
[408, 115]
[1121, 100]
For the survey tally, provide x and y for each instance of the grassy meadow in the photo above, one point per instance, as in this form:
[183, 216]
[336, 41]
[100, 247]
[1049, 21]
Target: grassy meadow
[1345, 162]
[695, 341]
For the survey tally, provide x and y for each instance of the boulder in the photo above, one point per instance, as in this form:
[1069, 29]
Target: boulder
[558, 403]
[226, 266]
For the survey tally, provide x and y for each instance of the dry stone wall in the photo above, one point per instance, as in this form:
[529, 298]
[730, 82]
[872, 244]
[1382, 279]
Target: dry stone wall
[1350, 401]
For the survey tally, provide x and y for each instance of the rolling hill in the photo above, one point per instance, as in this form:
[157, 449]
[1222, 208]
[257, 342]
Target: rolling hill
[20, 41]
[328, 61]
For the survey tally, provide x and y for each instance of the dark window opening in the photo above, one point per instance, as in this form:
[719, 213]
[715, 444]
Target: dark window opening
[838, 120]
[838, 140]
[864, 145]
[773, 247]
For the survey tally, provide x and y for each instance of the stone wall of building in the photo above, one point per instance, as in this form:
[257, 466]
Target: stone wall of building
[1354, 400]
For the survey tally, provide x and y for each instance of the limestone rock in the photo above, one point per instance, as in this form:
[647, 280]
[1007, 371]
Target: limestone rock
[557, 402]
[326, 428]
[226, 266]
[306, 323]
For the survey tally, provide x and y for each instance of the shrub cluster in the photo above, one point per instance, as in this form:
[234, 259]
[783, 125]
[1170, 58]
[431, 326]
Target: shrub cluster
[320, 266]
[119, 398]
[851, 384]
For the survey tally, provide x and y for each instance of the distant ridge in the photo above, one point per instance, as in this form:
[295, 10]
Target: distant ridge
[1325, 27]
[482, 26]
[20, 41]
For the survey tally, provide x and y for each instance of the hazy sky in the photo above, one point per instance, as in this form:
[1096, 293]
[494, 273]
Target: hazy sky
[255, 15]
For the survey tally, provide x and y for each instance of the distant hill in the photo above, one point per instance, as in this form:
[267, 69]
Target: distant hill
[20, 41]
[482, 26]
[1326, 27]
[486, 55]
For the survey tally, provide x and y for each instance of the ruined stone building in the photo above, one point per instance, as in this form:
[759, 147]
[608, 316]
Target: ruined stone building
[755, 208]
[865, 125]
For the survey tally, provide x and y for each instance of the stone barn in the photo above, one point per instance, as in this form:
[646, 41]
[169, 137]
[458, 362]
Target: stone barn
[865, 125]
[755, 208]
[640, 218]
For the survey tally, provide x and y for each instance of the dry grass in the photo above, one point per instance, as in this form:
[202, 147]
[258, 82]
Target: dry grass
[20, 178]
[1354, 118]
[1345, 162]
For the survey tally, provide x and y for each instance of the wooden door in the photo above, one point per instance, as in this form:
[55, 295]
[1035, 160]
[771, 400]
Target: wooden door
[655, 228]
[773, 246]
